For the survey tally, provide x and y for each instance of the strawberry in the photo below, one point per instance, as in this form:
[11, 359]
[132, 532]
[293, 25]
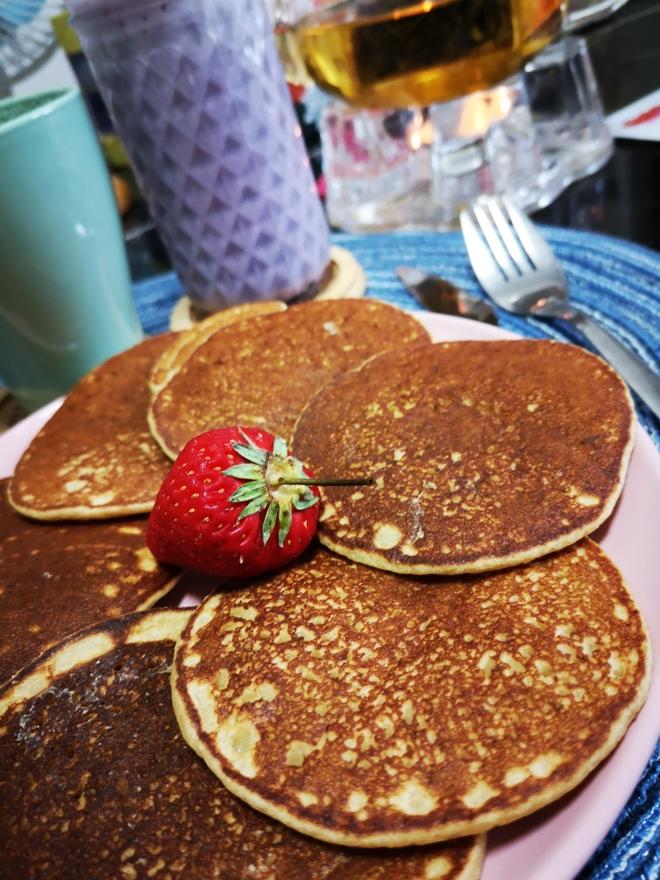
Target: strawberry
[235, 504]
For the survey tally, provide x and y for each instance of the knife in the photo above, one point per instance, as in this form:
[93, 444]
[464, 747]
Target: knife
[439, 295]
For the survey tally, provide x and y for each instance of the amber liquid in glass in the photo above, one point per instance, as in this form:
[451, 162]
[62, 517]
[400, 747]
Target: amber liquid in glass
[289, 52]
[392, 53]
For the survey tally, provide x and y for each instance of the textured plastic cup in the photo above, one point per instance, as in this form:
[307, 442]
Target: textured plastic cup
[199, 100]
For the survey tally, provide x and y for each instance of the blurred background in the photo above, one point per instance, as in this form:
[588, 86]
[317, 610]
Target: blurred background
[391, 115]
[41, 51]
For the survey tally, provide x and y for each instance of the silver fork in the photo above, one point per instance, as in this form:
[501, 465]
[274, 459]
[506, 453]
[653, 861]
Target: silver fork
[516, 267]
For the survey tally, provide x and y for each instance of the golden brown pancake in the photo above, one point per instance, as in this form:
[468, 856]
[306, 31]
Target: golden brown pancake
[55, 579]
[183, 345]
[262, 371]
[485, 454]
[373, 709]
[95, 458]
[96, 782]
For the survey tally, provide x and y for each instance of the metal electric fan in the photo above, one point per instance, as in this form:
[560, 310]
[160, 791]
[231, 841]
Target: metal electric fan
[26, 37]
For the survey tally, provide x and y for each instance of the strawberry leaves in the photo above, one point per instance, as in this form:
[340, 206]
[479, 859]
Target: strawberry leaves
[303, 501]
[269, 522]
[251, 453]
[266, 472]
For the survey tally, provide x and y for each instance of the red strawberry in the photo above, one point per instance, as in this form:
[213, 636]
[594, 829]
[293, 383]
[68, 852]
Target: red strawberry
[233, 505]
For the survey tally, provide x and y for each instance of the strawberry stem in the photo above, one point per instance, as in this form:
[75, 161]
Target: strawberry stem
[359, 481]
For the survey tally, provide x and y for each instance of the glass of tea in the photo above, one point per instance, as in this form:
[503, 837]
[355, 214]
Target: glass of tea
[402, 53]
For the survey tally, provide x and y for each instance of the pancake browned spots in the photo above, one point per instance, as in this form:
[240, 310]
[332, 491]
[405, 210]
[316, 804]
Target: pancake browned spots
[374, 709]
[184, 344]
[484, 454]
[263, 370]
[55, 579]
[96, 782]
[96, 458]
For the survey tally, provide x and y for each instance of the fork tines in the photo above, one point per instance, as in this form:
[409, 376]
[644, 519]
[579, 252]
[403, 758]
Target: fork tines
[506, 235]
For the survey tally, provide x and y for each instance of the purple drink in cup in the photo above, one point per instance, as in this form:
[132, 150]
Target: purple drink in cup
[198, 96]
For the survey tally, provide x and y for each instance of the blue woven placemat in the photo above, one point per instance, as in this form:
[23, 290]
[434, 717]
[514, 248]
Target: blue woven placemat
[616, 282]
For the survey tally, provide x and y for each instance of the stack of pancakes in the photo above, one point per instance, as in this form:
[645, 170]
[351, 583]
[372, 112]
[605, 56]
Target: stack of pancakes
[457, 655]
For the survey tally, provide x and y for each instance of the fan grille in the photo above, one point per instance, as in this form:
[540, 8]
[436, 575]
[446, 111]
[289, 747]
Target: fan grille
[26, 35]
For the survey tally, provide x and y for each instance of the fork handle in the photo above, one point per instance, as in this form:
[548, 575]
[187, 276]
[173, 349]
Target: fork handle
[635, 372]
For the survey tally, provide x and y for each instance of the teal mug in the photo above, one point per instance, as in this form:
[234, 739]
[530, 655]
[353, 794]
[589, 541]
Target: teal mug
[66, 302]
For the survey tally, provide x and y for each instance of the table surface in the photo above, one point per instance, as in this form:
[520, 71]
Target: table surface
[622, 200]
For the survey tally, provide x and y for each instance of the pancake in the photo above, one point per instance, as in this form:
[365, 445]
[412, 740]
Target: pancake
[485, 454]
[183, 345]
[373, 709]
[263, 370]
[96, 782]
[55, 579]
[95, 458]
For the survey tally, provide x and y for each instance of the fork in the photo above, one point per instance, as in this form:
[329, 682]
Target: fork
[518, 270]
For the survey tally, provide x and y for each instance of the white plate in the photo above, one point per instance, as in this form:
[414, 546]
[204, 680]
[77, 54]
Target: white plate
[554, 843]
